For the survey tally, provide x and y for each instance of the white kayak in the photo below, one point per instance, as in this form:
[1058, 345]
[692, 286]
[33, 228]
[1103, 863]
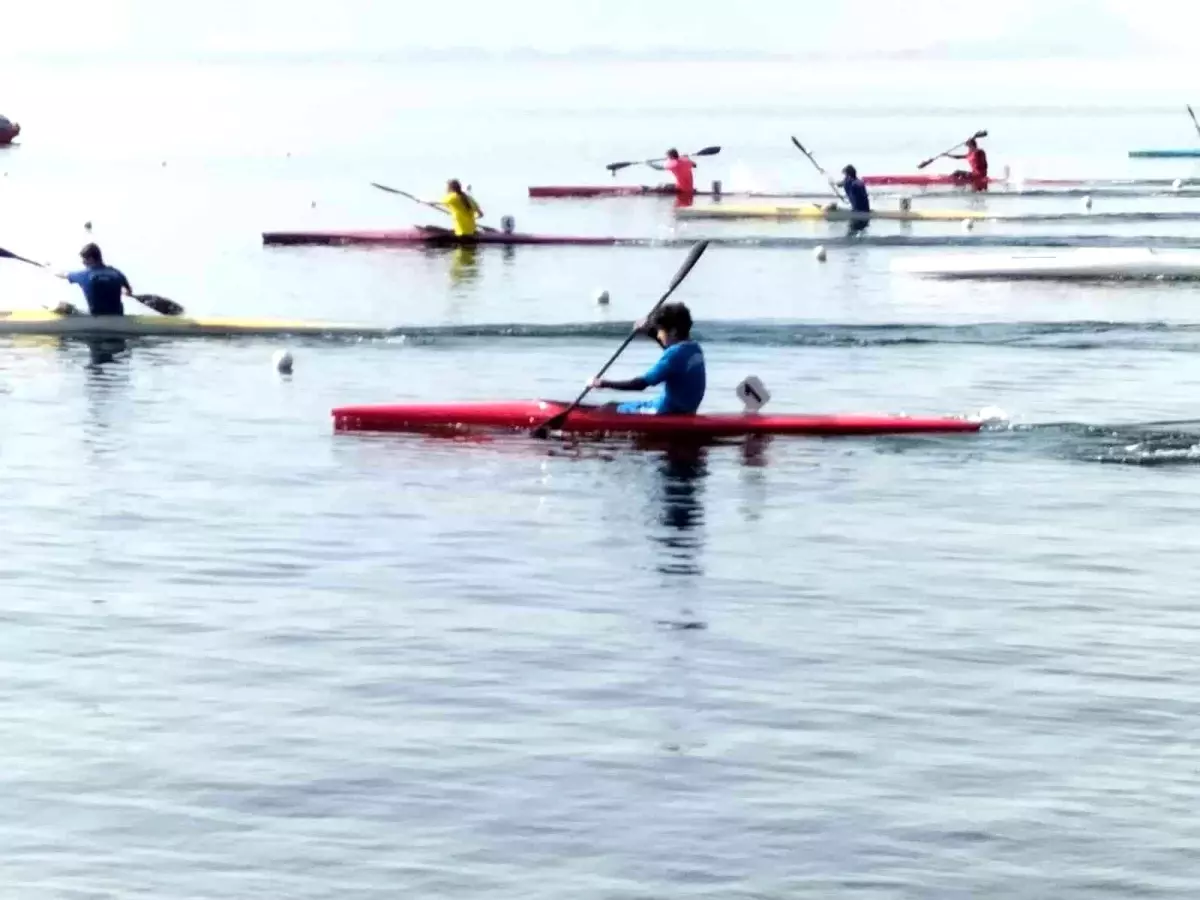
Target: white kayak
[47, 322]
[1083, 263]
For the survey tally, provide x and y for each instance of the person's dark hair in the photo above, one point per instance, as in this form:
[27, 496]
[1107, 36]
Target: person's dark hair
[673, 317]
[91, 253]
[454, 185]
[672, 153]
[850, 172]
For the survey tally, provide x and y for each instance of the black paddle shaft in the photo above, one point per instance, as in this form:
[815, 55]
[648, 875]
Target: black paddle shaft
[976, 136]
[617, 166]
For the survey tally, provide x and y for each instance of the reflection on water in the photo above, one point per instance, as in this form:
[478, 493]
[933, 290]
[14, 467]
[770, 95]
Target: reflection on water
[106, 393]
[680, 475]
[105, 350]
[464, 268]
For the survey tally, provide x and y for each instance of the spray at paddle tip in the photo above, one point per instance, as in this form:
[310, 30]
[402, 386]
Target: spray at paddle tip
[992, 416]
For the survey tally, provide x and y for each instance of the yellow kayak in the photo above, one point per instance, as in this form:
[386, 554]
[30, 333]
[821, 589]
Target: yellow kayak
[41, 321]
[812, 211]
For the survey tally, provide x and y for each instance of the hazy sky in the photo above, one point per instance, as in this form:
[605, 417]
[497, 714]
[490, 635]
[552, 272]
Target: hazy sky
[788, 26]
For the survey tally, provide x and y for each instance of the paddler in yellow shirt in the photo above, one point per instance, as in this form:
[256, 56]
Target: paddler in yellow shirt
[462, 208]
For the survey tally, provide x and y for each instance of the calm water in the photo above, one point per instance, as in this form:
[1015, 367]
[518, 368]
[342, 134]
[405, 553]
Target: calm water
[243, 655]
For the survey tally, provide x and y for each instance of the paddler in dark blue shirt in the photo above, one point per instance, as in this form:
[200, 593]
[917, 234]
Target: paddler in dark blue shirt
[856, 190]
[680, 369]
[856, 194]
[102, 285]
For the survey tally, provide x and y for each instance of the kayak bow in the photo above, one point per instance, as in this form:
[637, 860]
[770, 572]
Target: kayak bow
[1164, 154]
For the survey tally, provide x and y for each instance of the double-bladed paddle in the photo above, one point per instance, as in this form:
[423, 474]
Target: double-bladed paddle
[618, 166]
[414, 199]
[976, 136]
[1194, 122]
[557, 419]
[161, 305]
[812, 159]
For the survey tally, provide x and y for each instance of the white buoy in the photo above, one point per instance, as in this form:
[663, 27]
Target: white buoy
[1087, 202]
[1177, 184]
[967, 225]
[283, 362]
[820, 254]
[602, 298]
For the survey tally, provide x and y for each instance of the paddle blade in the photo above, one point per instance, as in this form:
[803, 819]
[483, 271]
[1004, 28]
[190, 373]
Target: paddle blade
[708, 151]
[688, 265]
[617, 166]
[980, 134]
[162, 305]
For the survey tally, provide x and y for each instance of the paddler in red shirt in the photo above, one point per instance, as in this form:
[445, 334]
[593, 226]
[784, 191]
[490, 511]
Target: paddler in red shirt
[977, 160]
[681, 167]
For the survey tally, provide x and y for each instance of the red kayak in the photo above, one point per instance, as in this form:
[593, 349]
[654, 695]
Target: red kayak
[932, 180]
[922, 180]
[599, 190]
[421, 237]
[522, 415]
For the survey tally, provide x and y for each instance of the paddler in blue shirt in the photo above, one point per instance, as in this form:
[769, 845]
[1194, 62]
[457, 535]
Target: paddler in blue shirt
[102, 285]
[856, 194]
[680, 370]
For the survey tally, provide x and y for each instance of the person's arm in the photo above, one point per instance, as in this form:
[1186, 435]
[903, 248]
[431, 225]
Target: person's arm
[656, 165]
[656, 375]
[125, 285]
[633, 384]
[956, 156]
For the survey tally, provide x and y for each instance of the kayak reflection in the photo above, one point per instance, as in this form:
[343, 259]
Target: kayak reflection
[680, 476]
[464, 266]
[105, 350]
[683, 468]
